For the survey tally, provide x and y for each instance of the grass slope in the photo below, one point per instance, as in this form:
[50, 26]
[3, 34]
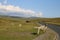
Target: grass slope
[10, 30]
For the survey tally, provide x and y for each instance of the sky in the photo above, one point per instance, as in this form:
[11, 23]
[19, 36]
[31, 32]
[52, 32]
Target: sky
[30, 8]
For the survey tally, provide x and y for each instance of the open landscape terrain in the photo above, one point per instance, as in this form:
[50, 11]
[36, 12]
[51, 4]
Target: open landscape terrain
[29, 19]
[53, 21]
[10, 29]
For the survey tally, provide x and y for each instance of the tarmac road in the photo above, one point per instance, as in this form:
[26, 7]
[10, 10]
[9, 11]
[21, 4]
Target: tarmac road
[56, 28]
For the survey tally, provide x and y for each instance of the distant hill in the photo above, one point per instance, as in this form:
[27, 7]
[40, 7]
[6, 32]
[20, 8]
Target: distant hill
[34, 19]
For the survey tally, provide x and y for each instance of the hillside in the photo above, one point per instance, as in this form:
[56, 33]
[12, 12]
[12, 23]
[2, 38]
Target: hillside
[10, 29]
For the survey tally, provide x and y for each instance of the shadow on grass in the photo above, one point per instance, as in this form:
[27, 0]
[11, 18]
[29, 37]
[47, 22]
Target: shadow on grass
[33, 33]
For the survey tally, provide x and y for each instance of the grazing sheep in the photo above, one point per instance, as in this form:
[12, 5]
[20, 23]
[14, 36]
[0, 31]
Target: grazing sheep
[20, 25]
[42, 27]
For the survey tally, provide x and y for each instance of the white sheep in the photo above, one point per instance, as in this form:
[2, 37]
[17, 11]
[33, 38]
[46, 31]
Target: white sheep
[20, 25]
[42, 27]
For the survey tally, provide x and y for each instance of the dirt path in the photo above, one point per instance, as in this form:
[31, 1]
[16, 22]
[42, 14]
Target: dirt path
[48, 35]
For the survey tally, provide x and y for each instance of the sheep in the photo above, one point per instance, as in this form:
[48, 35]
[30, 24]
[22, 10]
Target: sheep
[20, 25]
[42, 27]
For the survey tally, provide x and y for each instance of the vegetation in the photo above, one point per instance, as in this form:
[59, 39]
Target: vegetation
[53, 21]
[48, 20]
[10, 30]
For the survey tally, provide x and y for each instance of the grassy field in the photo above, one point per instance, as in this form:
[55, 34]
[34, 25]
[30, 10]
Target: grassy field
[10, 30]
[53, 21]
[48, 20]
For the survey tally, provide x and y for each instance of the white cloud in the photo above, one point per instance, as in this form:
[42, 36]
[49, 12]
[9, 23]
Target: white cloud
[39, 14]
[17, 9]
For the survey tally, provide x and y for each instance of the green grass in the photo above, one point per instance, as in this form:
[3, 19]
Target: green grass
[49, 20]
[53, 21]
[10, 30]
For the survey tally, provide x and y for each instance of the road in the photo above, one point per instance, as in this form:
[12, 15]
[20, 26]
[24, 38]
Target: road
[56, 28]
